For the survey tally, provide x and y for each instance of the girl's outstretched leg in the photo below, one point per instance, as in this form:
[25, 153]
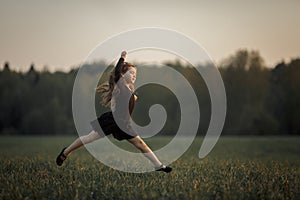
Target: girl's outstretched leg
[143, 147]
[79, 142]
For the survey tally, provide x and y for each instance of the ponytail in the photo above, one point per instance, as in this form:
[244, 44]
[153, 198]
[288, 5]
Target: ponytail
[106, 89]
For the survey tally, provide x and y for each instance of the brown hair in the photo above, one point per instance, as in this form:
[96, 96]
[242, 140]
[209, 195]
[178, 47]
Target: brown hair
[107, 88]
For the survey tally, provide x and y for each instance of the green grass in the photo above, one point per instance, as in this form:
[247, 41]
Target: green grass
[237, 168]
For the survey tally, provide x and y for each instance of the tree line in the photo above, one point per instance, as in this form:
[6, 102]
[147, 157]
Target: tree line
[260, 100]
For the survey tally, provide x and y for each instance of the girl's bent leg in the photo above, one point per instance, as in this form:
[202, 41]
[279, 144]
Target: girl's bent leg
[79, 142]
[143, 147]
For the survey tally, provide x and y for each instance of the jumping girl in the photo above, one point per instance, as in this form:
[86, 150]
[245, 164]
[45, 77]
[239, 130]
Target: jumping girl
[118, 91]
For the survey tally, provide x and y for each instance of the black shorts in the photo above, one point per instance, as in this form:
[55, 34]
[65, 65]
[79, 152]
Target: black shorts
[109, 126]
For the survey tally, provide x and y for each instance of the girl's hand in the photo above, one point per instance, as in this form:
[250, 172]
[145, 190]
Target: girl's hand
[124, 54]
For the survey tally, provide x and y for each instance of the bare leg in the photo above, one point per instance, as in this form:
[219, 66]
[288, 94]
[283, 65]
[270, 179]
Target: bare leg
[79, 142]
[143, 147]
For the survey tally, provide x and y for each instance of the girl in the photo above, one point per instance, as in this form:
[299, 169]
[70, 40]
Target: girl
[118, 91]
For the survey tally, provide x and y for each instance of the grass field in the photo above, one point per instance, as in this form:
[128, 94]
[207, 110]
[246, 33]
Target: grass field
[237, 168]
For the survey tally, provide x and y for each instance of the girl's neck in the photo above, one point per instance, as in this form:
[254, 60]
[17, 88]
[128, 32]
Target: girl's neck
[128, 85]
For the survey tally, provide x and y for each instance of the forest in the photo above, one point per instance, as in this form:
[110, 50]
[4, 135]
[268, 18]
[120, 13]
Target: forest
[261, 100]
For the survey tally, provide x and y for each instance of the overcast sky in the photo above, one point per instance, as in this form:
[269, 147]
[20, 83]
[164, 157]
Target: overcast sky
[60, 34]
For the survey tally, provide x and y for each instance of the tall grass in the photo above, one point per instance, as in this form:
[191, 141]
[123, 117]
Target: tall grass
[237, 168]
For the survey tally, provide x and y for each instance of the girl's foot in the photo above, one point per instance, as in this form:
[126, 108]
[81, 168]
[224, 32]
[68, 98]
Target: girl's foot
[164, 168]
[61, 157]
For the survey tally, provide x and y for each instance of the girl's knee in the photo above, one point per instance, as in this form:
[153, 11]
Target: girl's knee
[84, 139]
[94, 135]
[141, 144]
[89, 138]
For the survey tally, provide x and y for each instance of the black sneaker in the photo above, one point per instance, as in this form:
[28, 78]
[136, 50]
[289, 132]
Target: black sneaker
[164, 168]
[61, 157]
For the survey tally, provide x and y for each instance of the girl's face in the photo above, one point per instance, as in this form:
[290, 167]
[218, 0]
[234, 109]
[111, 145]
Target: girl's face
[130, 75]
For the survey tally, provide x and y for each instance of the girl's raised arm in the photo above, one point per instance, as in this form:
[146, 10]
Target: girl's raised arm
[119, 65]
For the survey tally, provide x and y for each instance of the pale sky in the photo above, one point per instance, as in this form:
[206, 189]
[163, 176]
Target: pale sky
[60, 34]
